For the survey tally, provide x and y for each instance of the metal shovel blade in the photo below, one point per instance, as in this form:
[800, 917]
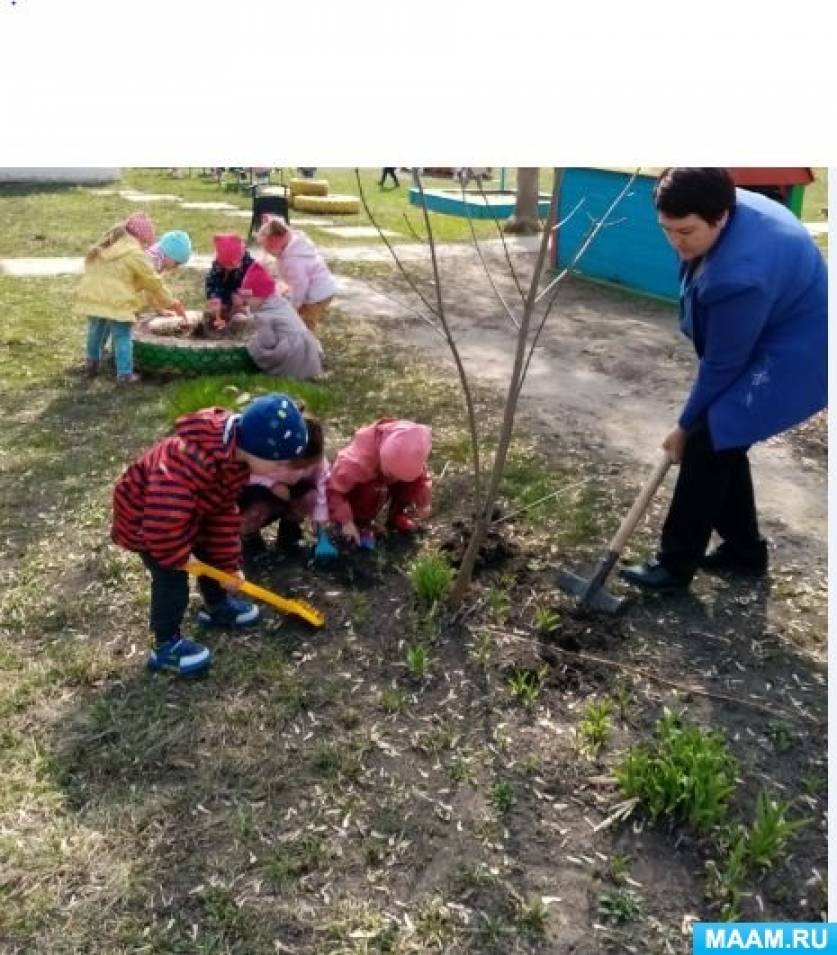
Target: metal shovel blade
[589, 593]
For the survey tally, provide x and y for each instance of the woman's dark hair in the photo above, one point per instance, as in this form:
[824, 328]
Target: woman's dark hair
[705, 191]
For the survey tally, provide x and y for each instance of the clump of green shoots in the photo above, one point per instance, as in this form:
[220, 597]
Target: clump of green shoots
[594, 728]
[623, 697]
[686, 773]
[501, 796]
[620, 906]
[546, 620]
[418, 661]
[743, 850]
[525, 686]
[770, 831]
[431, 576]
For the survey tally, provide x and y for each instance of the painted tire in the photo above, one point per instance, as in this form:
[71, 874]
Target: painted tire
[162, 355]
[308, 187]
[328, 204]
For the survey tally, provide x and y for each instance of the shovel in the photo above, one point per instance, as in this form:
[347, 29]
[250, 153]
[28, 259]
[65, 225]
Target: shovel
[590, 591]
[300, 608]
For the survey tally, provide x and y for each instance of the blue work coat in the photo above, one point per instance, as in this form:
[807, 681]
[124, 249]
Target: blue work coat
[756, 310]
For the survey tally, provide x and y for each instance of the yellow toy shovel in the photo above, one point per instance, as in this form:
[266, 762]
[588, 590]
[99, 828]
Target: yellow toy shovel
[300, 608]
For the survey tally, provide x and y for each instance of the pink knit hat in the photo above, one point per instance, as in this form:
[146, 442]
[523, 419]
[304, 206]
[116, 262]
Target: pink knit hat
[404, 450]
[229, 250]
[141, 228]
[258, 281]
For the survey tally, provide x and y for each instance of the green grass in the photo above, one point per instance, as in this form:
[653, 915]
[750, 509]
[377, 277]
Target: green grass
[236, 391]
[816, 197]
[573, 509]
[67, 220]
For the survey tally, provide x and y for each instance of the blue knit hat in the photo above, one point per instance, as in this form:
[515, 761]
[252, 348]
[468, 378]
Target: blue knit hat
[272, 428]
[176, 246]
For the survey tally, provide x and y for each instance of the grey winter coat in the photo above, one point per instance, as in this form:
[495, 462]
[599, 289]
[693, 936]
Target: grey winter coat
[281, 344]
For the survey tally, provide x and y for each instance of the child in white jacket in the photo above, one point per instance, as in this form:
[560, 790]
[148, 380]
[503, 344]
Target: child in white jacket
[280, 344]
[311, 285]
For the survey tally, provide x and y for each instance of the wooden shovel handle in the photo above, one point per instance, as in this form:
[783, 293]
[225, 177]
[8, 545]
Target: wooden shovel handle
[640, 505]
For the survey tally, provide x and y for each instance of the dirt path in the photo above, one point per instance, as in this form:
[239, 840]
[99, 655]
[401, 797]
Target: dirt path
[611, 372]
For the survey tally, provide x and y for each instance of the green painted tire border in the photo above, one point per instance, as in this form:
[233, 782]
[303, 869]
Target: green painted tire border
[160, 358]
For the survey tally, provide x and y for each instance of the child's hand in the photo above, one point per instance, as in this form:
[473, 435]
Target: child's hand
[282, 491]
[178, 309]
[350, 532]
[234, 586]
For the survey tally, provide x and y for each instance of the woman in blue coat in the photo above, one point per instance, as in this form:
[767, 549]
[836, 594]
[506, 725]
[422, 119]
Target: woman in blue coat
[753, 301]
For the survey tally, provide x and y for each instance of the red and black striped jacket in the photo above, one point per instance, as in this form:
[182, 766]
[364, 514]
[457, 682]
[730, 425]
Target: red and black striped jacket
[182, 493]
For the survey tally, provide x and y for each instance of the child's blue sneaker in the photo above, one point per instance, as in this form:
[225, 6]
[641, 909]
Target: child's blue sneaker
[233, 612]
[181, 656]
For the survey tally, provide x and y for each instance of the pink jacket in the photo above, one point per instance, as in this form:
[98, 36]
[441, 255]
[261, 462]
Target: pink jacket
[359, 463]
[305, 272]
[317, 472]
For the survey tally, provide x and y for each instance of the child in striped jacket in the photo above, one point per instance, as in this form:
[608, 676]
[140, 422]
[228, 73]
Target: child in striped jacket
[179, 498]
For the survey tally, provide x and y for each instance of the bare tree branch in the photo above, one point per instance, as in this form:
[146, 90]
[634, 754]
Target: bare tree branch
[407, 277]
[549, 649]
[463, 377]
[483, 516]
[497, 292]
[590, 237]
[401, 304]
[411, 228]
[502, 236]
[555, 284]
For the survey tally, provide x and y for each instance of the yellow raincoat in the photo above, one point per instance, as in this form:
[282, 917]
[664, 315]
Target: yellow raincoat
[119, 282]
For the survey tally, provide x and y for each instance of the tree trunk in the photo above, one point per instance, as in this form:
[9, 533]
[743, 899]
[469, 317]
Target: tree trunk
[524, 220]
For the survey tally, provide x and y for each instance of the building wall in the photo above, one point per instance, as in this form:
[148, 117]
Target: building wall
[65, 174]
[633, 252]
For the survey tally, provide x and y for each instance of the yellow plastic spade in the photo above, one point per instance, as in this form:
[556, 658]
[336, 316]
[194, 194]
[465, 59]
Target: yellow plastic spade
[299, 608]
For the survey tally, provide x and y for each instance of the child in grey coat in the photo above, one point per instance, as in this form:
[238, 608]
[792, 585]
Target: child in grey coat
[280, 343]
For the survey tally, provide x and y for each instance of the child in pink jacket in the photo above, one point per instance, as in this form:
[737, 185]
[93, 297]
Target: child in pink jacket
[386, 462]
[293, 491]
[311, 286]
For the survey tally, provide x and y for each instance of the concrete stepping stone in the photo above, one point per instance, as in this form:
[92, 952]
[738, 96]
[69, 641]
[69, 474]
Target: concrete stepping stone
[33, 268]
[210, 205]
[133, 196]
[357, 231]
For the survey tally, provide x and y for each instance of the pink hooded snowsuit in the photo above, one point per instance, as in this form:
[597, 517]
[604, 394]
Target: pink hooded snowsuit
[385, 461]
